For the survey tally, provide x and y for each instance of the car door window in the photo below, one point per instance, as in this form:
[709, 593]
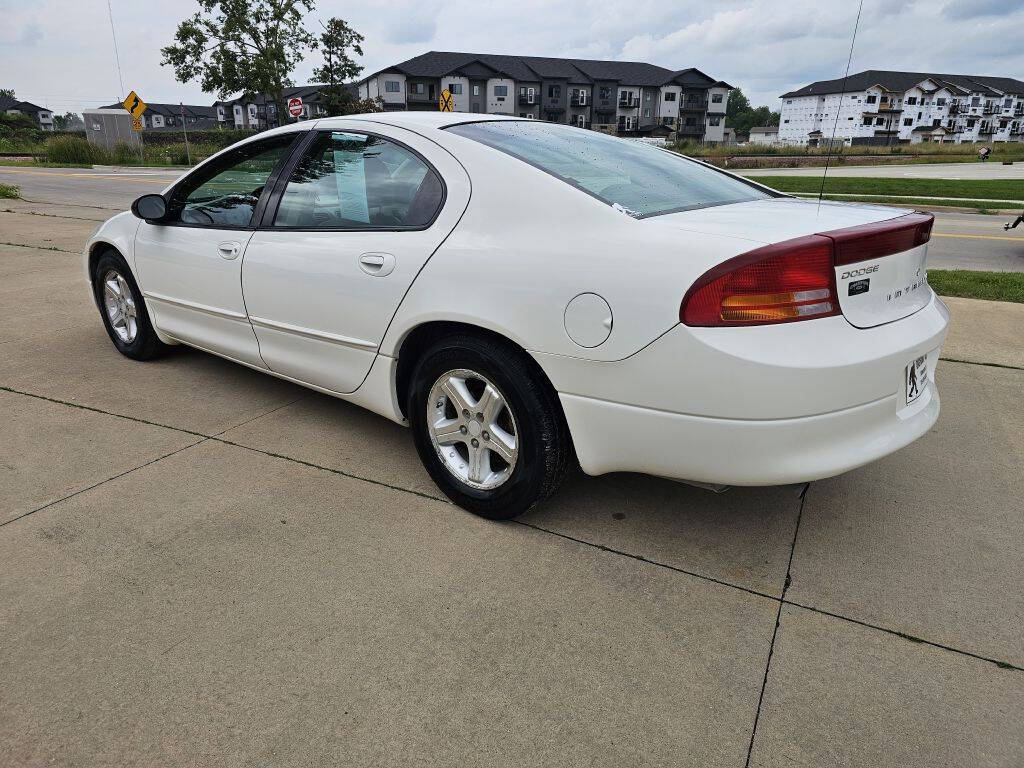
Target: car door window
[358, 181]
[224, 192]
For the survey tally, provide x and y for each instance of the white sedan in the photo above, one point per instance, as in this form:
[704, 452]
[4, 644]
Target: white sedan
[527, 296]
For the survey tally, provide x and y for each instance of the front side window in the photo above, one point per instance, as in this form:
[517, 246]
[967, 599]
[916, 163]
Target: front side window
[644, 180]
[670, 96]
[501, 90]
[224, 192]
[716, 98]
[455, 88]
[356, 181]
[714, 120]
[391, 86]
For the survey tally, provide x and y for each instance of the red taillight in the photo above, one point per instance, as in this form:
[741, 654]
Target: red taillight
[881, 238]
[780, 283]
[795, 279]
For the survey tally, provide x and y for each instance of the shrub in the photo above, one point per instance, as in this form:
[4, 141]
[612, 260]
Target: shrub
[71, 150]
[125, 154]
[9, 192]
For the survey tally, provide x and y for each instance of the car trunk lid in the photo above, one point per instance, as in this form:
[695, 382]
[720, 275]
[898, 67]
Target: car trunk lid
[879, 251]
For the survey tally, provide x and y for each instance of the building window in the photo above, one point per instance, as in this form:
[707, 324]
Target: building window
[714, 120]
[912, 100]
[716, 98]
[1007, 103]
[976, 101]
[554, 91]
[940, 102]
[880, 121]
[418, 88]
[501, 90]
[670, 96]
[867, 121]
[476, 90]
[871, 98]
[789, 101]
[648, 96]
[908, 121]
[391, 86]
[455, 88]
[647, 111]
[785, 121]
[604, 92]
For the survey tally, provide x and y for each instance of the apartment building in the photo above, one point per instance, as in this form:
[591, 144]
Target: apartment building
[258, 112]
[160, 117]
[624, 97]
[880, 107]
[41, 116]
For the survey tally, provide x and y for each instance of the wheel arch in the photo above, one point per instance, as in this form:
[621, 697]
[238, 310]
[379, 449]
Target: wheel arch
[419, 338]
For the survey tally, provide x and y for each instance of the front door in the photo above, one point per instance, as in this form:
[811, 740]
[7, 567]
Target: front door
[190, 264]
[359, 216]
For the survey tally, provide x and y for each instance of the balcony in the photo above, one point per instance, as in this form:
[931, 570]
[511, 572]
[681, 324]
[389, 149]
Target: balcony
[956, 108]
[986, 129]
[579, 100]
[989, 109]
[554, 107]
[629, 102]
[700, 105]
[889, 106]
[690, 130]
[526, 100]
[420, 98]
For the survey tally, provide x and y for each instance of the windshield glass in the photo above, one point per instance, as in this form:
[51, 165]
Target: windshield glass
[643, 180]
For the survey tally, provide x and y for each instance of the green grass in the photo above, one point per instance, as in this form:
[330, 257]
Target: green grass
[982, 189]
[917, 202]
[9, 192]
[995, 286]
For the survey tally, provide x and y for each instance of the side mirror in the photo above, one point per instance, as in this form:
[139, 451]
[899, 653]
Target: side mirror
[150, 207]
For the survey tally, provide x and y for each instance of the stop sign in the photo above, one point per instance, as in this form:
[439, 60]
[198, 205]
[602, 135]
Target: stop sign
[295, 106]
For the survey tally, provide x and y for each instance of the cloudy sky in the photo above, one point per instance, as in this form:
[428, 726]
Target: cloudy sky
[59, 53]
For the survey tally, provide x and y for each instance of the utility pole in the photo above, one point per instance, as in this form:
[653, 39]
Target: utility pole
[184, 128]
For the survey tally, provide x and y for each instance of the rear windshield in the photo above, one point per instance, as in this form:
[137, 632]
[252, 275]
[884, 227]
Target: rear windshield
[630, 175]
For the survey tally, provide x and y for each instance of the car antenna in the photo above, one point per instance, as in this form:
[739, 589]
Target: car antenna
[842, 94]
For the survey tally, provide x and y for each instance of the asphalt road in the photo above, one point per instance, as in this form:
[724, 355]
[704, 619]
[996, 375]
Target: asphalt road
[960, 241]
[205, 565]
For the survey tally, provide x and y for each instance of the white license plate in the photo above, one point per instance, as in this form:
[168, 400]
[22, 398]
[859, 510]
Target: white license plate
[915, 376]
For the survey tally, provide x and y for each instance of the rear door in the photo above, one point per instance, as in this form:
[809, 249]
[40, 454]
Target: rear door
[351, 224]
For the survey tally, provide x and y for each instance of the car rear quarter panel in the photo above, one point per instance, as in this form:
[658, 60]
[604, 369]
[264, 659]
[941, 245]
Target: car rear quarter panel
[528, 243]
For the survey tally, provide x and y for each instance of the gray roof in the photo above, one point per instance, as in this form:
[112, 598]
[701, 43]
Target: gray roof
[174, 110]
[435, 64]
[22, 106]
[902, 81]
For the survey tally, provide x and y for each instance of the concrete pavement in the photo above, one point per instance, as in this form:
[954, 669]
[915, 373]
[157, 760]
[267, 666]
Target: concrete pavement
[206, 565]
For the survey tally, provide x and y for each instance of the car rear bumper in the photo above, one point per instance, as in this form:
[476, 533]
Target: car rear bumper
[612, 437]
[754, 406]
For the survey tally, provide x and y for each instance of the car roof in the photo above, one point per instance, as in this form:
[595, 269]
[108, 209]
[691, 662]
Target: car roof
[415, 120]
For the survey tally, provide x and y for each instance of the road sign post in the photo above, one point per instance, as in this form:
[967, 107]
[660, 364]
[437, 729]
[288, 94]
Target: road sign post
[136, 107]
[445, 104]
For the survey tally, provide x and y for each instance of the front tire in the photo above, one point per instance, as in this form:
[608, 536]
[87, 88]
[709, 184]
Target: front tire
[123, 310]
[488, 429]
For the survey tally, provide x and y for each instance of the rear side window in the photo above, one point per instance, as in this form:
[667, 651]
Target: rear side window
[357, 181]
[631, 175]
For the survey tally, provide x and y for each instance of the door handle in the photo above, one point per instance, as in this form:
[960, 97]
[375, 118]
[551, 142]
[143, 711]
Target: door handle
[377, 264]
[229, 250]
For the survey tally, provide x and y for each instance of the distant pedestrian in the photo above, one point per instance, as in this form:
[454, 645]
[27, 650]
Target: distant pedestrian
[983, 153]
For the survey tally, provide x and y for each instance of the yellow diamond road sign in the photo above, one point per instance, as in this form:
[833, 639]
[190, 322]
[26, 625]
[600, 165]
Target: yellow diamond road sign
[134, 104]
[446, 101]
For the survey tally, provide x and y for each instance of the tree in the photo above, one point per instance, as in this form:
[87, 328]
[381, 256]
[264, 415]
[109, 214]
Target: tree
[337, 40]
[7, 93]
[250, 46]
[360, 106]
[741, 117]
[69, 121]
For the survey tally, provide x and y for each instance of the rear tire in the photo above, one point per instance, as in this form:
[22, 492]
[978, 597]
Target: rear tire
[500, 459]
[123, 309]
